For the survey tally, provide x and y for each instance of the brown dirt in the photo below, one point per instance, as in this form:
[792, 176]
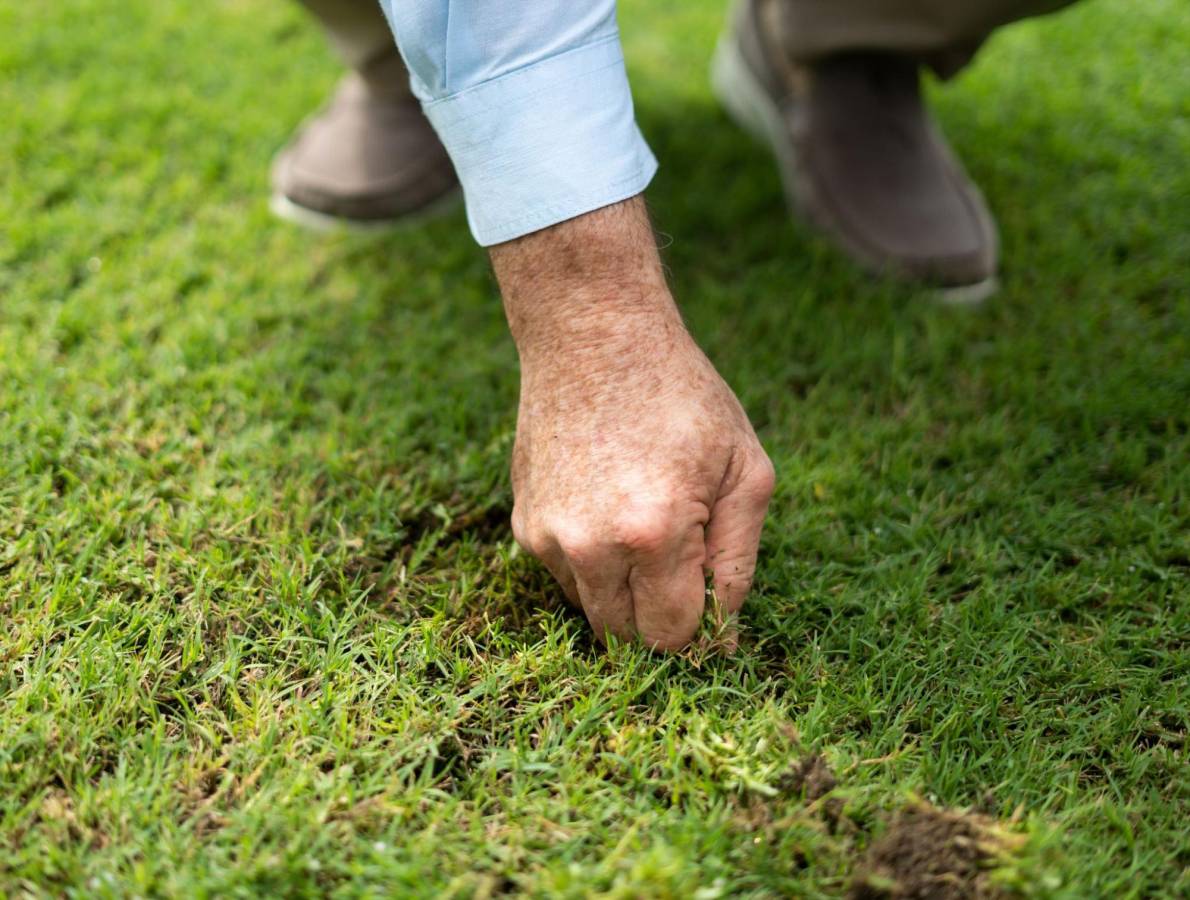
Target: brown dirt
[817, 777]
[813, 776]
[934, 854]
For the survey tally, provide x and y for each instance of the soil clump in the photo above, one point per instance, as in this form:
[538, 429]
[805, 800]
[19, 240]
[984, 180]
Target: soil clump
[934, 854]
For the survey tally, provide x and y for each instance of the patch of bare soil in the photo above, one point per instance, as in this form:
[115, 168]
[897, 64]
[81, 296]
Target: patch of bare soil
[934, 854]
[813, 776]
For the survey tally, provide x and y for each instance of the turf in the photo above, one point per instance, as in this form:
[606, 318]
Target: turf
[266, 629]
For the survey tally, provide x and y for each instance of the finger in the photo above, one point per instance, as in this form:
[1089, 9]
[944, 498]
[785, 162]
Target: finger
[601, 583]
[608, 606]
[669, 590]
[558, 567]
[733, 534]
[541, 545]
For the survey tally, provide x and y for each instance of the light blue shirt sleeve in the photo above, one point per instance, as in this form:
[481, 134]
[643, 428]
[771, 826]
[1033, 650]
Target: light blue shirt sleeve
[531, 100]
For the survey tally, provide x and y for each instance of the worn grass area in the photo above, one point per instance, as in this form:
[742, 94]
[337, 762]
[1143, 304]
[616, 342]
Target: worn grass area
[265, 628]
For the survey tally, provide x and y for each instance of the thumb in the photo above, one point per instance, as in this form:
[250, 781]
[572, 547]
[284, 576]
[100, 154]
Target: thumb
[733, 532]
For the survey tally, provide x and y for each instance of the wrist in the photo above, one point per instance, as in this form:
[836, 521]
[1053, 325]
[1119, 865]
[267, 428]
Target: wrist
[586, 287]
[594, 324]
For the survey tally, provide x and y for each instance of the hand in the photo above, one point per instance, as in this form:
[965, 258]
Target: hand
[635, 468]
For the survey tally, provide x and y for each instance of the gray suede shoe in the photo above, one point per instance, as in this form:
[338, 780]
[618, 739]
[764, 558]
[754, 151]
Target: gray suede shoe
[861, 160]
[369, 160]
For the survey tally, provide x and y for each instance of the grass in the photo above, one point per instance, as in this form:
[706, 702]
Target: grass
[266, 629]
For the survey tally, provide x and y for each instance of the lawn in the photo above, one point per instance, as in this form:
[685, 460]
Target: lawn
[266, 629]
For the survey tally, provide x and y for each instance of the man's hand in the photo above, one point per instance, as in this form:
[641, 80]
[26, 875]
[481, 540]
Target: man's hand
[635, 468]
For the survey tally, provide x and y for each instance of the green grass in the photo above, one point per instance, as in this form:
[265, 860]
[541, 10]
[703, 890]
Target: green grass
[267, 632]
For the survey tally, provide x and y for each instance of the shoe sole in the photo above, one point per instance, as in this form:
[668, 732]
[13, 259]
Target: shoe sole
[325, 223]
[753, 110]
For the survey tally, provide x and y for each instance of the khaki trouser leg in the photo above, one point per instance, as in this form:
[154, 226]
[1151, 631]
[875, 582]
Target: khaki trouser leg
[356, 29]
[943, 34]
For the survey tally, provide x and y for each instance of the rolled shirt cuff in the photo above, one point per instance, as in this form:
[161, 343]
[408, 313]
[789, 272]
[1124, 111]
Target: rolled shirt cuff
[545, 143]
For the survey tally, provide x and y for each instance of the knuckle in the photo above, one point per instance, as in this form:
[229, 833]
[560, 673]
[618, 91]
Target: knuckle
[519, 529]
[528, 533]
[643, 531]
[579, 543]
[761, 479]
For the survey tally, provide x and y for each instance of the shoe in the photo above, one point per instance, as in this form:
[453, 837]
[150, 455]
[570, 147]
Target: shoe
[369, 160]
[861, 159]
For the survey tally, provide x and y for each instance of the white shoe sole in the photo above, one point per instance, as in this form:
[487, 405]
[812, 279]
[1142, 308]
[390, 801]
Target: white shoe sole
[313, 220]
[753, 110]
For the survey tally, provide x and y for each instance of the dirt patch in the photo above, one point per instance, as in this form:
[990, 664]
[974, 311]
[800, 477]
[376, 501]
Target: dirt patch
[813, 777]
[934, 854]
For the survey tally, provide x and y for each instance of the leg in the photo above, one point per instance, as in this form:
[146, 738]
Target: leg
[833, 87]
[371, 157]
[940, 33]
[356, 29]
